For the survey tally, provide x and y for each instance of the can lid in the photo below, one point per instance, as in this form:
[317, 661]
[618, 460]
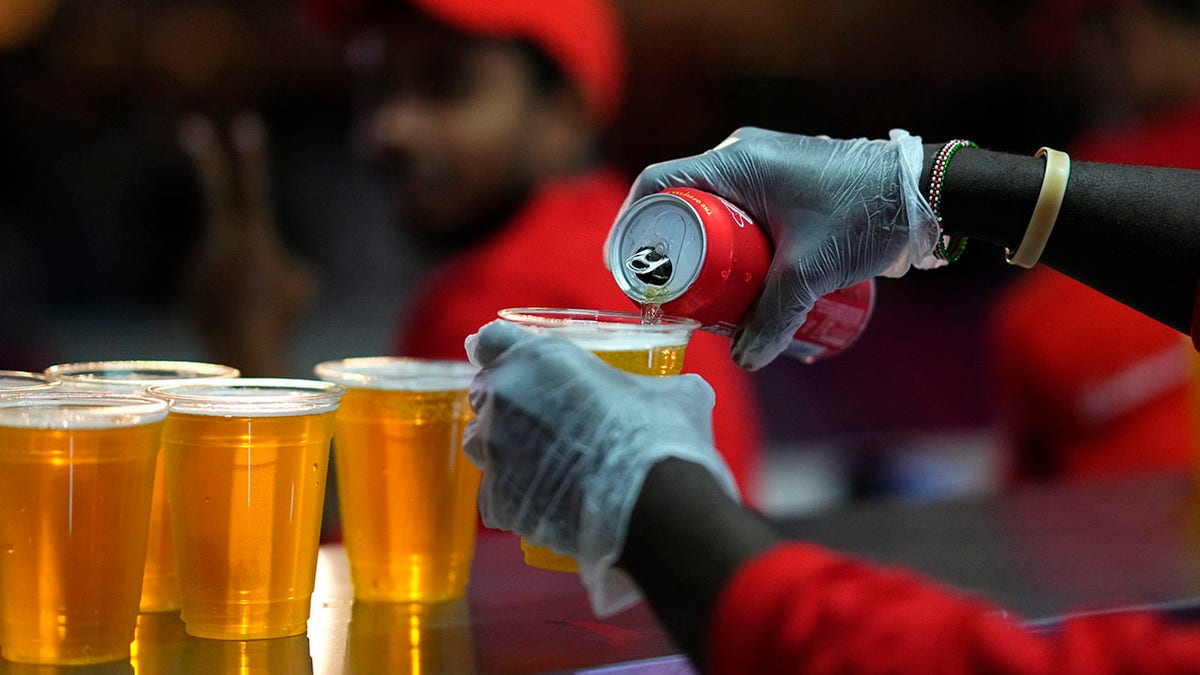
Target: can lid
[657, 248]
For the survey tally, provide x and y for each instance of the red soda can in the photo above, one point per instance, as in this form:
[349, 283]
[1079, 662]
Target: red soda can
[697, 255]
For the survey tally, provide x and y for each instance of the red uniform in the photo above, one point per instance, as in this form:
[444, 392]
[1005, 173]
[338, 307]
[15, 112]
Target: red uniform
[800, 609]
[550, 255]
[1088, 386]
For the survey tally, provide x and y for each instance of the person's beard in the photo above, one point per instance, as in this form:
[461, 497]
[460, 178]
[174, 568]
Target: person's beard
[441, 240]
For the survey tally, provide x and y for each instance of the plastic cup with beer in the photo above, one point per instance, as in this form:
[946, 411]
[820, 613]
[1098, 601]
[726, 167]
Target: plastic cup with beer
[160, 586]
[407, 492]
[246, 461]
[76, 474]
[625, 341]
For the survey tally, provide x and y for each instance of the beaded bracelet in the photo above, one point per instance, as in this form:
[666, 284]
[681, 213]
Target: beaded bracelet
[948, 248]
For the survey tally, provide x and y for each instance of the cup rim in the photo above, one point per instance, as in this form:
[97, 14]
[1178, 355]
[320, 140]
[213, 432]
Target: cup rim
[95, 372]
[397, 373]
[36, 381]
[79, 410]
[603, 330]
[249, 396]
[552, 317]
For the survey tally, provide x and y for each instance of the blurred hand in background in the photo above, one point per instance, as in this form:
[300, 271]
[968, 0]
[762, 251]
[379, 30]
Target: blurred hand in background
[245, 289]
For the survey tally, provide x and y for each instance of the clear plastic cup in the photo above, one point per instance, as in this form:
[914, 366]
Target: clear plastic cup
[407, 492]
[76, 476]
[246, 462]
[160, 585]
[621, 339]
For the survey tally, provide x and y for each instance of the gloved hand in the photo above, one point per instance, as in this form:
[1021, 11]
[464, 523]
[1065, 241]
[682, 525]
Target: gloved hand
[838, 211]
[565, 442]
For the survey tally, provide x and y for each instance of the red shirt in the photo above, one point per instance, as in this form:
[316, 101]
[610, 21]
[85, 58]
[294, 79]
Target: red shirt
[551, 255]
[801, 609]
[1087, 386]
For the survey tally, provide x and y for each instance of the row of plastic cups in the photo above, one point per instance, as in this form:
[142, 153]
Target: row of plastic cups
[243, 468]
[245, 463]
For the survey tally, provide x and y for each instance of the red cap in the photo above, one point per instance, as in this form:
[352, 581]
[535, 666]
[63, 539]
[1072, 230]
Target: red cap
[582, 36]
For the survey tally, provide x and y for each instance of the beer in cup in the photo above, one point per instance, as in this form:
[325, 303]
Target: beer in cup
[160, 586]
[246, 462]
[621, 339]
[76, 475]
[407, 492]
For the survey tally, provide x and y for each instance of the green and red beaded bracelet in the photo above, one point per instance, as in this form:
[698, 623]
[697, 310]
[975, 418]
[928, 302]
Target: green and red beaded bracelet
[948, 248]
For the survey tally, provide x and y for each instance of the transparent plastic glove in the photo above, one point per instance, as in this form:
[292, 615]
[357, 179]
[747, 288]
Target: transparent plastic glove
[565, 442]
[838, 211]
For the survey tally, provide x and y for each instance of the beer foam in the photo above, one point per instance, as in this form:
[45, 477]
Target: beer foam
[593, 335]
[250, 397]
[398, 373]
[597, 330]
[75, 410]
[594, 342]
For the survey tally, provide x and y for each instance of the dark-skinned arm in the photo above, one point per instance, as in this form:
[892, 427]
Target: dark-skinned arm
[1130, 232]
[686, 538]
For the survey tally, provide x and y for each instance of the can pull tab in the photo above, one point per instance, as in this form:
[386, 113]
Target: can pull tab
[650, 266]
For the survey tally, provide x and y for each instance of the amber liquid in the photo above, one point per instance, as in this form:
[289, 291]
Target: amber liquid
[75, 507]
[160, 585]
[407, 493]
[661, 361]
[655, 361]
[245, 502]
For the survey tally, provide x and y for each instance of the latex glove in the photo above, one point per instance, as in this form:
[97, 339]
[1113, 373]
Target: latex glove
[565, 442]
[838, 211]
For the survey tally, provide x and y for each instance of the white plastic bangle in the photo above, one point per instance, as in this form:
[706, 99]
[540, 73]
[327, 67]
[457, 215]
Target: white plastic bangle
[1045, 213]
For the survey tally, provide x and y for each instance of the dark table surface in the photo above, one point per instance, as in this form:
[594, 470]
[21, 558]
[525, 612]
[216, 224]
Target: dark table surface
[1042, 553]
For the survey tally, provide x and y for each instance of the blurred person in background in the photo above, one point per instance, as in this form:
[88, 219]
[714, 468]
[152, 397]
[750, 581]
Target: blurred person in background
[488, 122]
[1086, 386]
[294, 251]
[101, 211]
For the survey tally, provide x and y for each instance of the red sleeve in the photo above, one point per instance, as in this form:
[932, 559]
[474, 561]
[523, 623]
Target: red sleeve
[798, 608]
